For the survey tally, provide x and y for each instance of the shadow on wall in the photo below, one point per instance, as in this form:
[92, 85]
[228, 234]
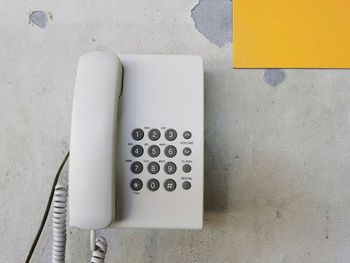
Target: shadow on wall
[215, 154]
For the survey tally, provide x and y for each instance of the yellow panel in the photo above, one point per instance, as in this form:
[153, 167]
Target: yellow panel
[291, 33]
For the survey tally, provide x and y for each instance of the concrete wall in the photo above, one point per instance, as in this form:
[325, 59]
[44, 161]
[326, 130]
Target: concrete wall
[277, 142]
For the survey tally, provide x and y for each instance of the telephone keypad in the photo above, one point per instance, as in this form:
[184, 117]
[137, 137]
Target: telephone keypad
[153, 151]
[136, 167]
[154, 134]
[153, 167]
[170, 151]
[136, 184]
[137, 134]
[169, 185]
[137, 150]
[153, 185]
[170, 134]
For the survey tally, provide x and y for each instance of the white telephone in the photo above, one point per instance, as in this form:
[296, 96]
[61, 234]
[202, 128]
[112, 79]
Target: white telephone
[136, 152]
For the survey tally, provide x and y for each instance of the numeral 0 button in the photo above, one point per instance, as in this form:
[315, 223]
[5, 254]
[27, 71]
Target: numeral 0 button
[136, 167]
[153, 185]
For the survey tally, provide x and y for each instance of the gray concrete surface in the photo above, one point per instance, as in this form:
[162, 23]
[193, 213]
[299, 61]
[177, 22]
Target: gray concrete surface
[277, 143]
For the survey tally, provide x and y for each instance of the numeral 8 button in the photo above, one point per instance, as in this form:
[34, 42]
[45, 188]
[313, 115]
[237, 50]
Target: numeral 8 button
[153, 167]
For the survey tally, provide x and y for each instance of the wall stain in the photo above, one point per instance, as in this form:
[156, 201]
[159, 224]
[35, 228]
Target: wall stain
[151, 245]
[278, 214]
[213, 19]
[274, 77]
[39, 18]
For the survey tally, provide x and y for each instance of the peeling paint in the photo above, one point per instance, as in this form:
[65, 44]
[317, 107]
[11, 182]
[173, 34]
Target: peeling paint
[213, 19]
[39, 18]
[274, 77]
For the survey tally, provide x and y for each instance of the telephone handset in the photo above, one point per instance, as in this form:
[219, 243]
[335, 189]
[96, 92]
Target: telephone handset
[136, 156]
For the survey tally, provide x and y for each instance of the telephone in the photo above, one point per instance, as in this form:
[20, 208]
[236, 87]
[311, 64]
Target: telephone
[136, 150]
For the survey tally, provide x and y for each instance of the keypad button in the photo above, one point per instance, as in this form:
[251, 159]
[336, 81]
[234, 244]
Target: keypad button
[186, 185]
[137, 134]
[153, 167]
[169, 185]
[170, 151]
[137, 150]
[186, 168]
[136, 167]
[153, 151]
[170, 134]
[170, 168]
[153, 185]
[187, 151]
[136, 184]
[187, 135]
[154, 134]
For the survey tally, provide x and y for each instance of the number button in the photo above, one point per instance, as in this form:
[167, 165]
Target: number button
[186, 168]
[170, 134]
[153, 185]
[153, 167]
[137, 134]
[187, 151]
[170, 151]
[136, 184]
[153, 151]
[137, 150]
[169, 185]
[170, 168]
[187, 135]
[154, 134]
[136, 167]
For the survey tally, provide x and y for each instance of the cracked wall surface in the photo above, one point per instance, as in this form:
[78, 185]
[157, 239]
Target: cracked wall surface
[276, 141]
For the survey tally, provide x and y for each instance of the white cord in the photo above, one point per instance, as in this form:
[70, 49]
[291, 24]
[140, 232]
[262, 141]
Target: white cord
[92, 240]
[59, 224]
[99, 253]
[98, 245]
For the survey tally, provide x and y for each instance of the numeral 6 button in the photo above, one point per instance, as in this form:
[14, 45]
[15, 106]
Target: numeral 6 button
[170, 151]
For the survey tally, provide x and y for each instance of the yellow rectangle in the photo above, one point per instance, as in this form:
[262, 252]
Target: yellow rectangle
[291, 34]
